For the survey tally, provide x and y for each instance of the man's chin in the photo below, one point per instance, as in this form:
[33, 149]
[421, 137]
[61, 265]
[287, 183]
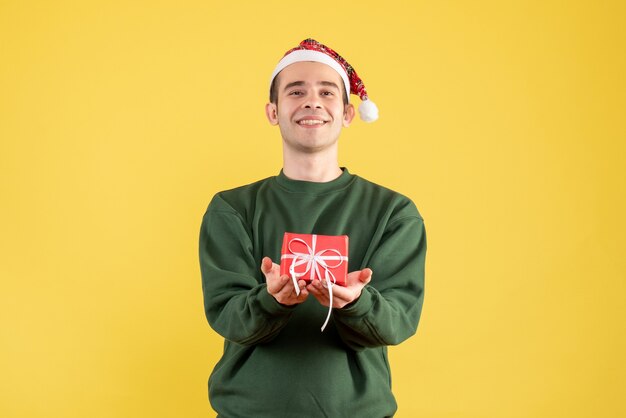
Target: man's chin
[310, 146]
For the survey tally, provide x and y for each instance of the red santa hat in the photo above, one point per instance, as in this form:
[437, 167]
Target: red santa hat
[311, 50]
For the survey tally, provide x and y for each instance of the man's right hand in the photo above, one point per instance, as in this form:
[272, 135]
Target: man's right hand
[281, 287]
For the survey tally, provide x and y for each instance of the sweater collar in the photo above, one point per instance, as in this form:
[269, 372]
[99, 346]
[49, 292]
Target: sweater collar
[300, 186]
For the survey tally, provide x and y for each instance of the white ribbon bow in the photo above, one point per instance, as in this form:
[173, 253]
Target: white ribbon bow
[314, 262]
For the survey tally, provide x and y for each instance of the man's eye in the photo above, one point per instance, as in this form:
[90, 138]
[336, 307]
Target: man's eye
[296, 93]
[327, 93]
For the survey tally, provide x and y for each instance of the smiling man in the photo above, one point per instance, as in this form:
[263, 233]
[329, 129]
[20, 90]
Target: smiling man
[276, 362]
[312, 110]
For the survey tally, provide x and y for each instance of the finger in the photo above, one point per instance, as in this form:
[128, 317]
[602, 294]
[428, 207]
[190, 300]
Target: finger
[289, 285]
[285, 280]
[288, 293]
[266, 265]
[303, 294]
[366, 275]
[342, 294]
[279, 284]
[274, 268]
[350, 293]
[319, 291]
[312, 289]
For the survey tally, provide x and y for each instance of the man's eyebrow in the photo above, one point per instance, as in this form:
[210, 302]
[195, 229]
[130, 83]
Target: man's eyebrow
[294, 84]
[329, 84]
[302, 83]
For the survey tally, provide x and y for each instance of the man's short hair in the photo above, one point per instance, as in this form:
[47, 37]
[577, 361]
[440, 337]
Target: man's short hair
[274, 92]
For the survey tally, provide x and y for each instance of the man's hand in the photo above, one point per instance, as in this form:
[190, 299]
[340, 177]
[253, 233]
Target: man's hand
[281, 287]
[355, 282]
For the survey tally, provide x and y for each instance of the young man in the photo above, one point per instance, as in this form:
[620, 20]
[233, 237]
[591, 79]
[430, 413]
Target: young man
[276, 362]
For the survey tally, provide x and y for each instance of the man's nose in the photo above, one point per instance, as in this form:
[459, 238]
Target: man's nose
[312, 102]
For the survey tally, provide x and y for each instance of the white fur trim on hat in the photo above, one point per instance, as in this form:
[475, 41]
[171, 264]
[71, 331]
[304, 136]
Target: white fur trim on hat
[301, 55]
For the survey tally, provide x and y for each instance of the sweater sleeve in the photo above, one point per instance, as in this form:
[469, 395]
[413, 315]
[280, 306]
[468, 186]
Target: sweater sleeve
[236, 302]
[389, 308]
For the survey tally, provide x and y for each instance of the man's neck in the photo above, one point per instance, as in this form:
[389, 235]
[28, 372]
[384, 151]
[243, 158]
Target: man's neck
[319, 168]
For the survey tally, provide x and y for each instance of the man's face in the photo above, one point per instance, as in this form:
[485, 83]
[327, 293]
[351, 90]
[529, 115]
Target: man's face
[310, 110]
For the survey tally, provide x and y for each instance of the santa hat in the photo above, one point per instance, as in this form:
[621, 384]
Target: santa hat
[311, 50]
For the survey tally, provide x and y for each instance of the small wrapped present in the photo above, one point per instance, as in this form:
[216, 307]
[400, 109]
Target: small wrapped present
[308, 257]
[311, 257]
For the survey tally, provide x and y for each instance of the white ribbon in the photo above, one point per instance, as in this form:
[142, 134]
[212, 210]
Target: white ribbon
[314, 262]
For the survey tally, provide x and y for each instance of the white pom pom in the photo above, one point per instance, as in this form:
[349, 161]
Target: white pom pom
[368, 111]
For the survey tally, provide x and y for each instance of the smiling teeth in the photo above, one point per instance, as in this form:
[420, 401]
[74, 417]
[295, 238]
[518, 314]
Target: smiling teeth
[311, 122]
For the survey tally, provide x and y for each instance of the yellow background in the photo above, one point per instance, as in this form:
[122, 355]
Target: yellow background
[503, 121]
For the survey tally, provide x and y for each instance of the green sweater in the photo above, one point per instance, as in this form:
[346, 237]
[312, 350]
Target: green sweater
[276, 362]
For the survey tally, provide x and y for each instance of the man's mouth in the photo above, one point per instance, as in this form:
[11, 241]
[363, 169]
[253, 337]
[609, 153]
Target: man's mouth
[311, 122]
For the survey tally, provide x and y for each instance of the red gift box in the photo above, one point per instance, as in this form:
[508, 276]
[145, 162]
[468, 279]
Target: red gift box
[308, 257]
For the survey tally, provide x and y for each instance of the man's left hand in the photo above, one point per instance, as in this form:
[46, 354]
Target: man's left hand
[355, 282]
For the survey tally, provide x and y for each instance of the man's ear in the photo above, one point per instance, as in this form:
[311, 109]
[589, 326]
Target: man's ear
[348, 115]
[271, 111]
